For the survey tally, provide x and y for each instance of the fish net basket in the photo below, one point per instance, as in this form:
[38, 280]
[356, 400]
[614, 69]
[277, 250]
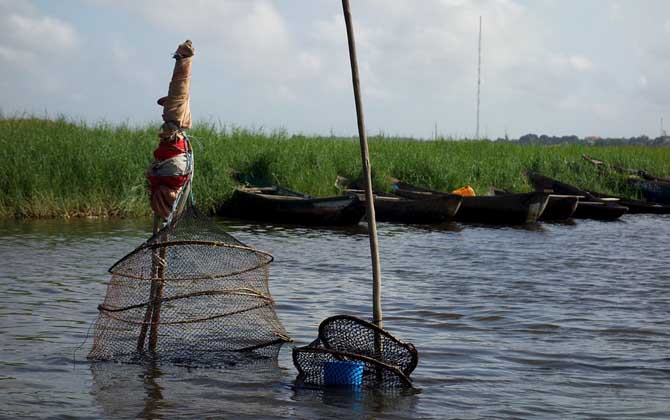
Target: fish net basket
[191, 294]
[379, 359]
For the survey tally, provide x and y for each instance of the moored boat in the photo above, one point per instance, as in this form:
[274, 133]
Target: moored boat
[637, 206]
[599, 210]
[589, 206]
[495, 209]
[653, 190]
[395, 209]
[280, 205]
[558, 208]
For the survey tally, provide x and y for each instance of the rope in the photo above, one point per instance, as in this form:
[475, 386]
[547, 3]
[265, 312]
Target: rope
[188, 183]
[74, 353]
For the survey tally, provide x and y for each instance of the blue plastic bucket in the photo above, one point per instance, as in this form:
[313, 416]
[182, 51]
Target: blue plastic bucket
[343, 373]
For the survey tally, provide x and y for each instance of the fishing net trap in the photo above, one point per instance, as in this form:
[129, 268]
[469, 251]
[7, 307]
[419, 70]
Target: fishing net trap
[190, 294]
[352, 351]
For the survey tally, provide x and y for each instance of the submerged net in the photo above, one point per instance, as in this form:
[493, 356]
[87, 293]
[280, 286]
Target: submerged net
[351, 351]
[192, 294]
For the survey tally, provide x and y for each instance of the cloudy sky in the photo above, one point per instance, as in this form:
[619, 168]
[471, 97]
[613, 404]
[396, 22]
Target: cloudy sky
[560, 67]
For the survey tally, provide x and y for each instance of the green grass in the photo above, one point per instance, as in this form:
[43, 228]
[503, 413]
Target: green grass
[62, 168]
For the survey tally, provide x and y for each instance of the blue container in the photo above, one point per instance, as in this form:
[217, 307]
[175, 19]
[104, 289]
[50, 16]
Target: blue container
[343, 373]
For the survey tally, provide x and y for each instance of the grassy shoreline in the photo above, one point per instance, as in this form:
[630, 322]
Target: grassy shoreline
[58, 168]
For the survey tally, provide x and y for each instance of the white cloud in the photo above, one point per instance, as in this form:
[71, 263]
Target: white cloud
[41, 33]
[35, 55]
[580, 63]
[27, 35]
[642, 81]
[286, 63]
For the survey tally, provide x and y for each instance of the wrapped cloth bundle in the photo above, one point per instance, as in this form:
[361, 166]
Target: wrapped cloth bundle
[172, 167]
[176, 109]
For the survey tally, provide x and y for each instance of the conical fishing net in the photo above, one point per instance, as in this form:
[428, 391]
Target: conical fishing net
[191, 294]
[351, 351]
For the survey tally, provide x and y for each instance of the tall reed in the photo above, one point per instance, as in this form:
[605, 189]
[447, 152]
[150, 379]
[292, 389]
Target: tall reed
[64, 168]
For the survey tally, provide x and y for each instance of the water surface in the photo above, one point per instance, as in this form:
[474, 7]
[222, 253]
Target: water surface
[546, 321]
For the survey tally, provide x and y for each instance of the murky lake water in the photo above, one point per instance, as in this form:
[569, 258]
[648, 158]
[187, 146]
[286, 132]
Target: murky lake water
[551, 321]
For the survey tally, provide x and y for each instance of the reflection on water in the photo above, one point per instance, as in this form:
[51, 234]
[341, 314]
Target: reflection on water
[549, 320]
[393, 403]
[158, 391]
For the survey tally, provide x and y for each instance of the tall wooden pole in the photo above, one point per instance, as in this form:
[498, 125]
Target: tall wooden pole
[152, 291]
[369, 199]
[479, 74]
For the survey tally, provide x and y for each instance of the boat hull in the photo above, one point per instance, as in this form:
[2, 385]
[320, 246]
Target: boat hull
[654, 191]
[589, 206]
[599, 210]
[294, 209]
[394, 209]
[559, 208]
[639, 206]
[496, 209]
[503, 209]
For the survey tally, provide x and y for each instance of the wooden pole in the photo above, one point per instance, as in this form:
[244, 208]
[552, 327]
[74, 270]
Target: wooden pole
[479, 74]
[158, 295]
[152, 293]
[369, 199]
[158, 270]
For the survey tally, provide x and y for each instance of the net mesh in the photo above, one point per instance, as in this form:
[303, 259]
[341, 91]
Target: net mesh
[385, 360]
[191, 294]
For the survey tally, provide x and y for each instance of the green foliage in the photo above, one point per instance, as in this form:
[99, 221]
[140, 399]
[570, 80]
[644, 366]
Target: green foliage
[63, 168]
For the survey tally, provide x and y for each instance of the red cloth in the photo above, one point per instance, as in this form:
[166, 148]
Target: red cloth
[170, 181]
[170, 149]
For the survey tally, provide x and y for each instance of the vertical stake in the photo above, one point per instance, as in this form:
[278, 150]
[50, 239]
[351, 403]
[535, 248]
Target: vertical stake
[158, 295]
[369, 199]
[152, 293]
[479, 73]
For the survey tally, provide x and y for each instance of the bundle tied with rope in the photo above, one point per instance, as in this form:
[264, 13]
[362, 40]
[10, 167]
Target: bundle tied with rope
[191, 294]
[171, 172]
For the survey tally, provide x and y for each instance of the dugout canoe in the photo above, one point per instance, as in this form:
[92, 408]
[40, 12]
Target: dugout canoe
[281, 205]
[558, 208]
[653, 191]
[589, 206]
[637, 206]
[392, 208]
[510, 209]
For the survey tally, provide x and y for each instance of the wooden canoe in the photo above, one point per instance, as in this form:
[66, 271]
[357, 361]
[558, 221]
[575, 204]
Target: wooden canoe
[498, 210]
[558, 208]
[637, 206]
[280, 205]
[589, 206]
[395, 209]
[599, 210]
[653, 191]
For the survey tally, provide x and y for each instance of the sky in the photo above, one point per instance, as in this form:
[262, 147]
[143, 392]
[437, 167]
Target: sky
[556, 67]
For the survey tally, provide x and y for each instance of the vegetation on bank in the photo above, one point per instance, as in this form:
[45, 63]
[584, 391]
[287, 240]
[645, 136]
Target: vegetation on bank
[62, 168]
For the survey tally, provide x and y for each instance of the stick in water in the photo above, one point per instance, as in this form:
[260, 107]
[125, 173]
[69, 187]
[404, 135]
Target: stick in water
[369, 199]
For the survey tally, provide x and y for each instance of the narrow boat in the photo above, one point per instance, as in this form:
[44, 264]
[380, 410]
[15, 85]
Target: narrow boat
[495, 209]
[395, 209]
[559, 207]
[654, 189]
[280, 205]
[589, 206]
[637, 206]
